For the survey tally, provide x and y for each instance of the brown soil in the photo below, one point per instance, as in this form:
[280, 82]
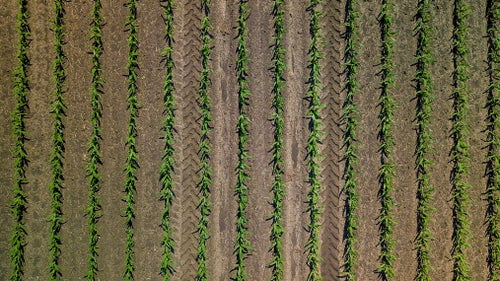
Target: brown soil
[224, 140]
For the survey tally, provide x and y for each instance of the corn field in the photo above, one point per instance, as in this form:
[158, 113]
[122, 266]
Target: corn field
[250, 140]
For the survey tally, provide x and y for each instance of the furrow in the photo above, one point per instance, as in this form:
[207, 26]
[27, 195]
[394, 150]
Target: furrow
[20, 93]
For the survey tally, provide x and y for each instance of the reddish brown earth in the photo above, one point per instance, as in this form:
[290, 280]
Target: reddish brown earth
[224, 139]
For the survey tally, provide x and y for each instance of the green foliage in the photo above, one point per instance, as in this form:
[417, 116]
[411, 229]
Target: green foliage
[56, 156]
[242, 245]
[21, 89]
[423, 164]
[459, 152]
[167, 160]
[493, 140]
[385, 135]
[204, 152]
[94, 148]
[278, 186]
[314, 139]
[350, 141]
[131, 164]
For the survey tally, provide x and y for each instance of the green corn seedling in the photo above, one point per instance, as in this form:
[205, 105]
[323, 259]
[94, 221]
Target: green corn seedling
[242, 245]
[206, 118]
[423, 164]
[459, 152]
[56, 156]
[21, 90]
[314, 139]
[350, 142]
[385, 135]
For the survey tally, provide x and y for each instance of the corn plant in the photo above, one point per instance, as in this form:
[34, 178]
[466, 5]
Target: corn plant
[278, 185]
[56, 156]
[242, 245]
[423, 164]
[350, 141]
[204, 152]
[168, 160]
[94, 146]
[493, 140]
[386, 173]
[21, 89]
[459, 152]
[313, 141]
[131, 164]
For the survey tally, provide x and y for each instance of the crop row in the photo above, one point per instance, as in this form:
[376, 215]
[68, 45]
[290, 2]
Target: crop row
[94, 146]
[242, 243]
[459, 132]
[424, 98]
[350, 142]
[385, 135]
[56, 156]
[493, 139]
[205, 181]
[313, 141]
[21, 89]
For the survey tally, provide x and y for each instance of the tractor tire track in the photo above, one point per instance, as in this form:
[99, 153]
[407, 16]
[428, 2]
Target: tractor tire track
[331, 237]
[188, 67]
